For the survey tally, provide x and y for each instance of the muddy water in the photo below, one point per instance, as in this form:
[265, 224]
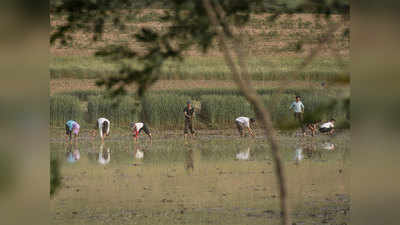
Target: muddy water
[210, 180]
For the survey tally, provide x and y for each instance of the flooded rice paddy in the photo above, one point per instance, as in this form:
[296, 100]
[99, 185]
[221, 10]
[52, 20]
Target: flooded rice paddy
[212, 179]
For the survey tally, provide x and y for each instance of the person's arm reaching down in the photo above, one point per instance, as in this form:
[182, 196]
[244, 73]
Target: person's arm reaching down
[186, 114]
[136, 134]
[250, 131]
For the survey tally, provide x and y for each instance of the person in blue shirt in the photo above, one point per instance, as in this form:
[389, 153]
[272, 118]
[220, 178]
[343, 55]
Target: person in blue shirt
[298, 109]
[72, 127]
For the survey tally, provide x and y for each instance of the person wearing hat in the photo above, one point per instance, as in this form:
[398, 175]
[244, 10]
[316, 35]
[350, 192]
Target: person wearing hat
[298, 109]
[188, 111]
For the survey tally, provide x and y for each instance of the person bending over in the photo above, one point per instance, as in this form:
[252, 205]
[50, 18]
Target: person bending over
[139, 127]
[244, 122]
[328, 127]
[72, 127]
[313, 127]
[103, 126]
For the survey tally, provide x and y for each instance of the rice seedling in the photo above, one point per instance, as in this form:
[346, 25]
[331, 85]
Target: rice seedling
[64, 108]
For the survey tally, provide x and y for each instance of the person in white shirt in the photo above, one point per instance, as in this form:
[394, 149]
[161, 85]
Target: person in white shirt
[244, 122]
[138, 127]
[298, 109]
[328, 127]
[103, 126]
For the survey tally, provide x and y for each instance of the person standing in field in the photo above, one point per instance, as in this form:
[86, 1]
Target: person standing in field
[298, 109]
[103, 125]
[139, 127]
[188, 111]
[244, 122]
[72, 127]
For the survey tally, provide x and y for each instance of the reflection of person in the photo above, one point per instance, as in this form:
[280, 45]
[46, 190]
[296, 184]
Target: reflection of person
[188, 111]
[139, 127]
[328, 146]
[328, 127]
[310, 150]
[72, 156]
[244, 155]
[71, 127]
[104, 156]
[103, 125]
[299, 155]
[189, 163]
[139, 154]
[298, 109]
[244, 122]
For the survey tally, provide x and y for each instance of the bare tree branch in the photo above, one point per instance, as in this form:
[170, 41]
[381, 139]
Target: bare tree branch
[255, 100]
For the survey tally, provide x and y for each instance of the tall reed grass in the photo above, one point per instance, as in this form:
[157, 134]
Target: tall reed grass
[216, 108]
[220, 111]
[164, 110]
[119, 111]
[64, 108]
[198, 93]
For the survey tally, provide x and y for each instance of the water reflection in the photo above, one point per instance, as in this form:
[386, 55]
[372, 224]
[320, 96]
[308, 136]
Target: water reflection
[243, 155]
[298, 155]
[312, 150]
[189, 162]
[328, 146]
[139, 154]
[104, 156]
[306, 151]
[73, 155]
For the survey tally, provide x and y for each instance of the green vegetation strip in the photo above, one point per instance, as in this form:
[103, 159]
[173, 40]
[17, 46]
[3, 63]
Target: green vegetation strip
[215, 108]
[204, 68]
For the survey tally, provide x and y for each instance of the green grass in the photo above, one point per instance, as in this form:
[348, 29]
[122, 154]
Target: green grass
[218, 110]
[197, 93]
[164, 110]
[64, 108]
[204, 68]
[215, 107]
[119, 111]
[80, 67]
[82, 95]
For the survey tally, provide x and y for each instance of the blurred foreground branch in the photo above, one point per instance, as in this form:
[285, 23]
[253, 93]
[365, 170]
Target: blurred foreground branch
[255, 100]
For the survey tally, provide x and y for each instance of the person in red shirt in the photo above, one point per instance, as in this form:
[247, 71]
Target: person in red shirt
[139, 127]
